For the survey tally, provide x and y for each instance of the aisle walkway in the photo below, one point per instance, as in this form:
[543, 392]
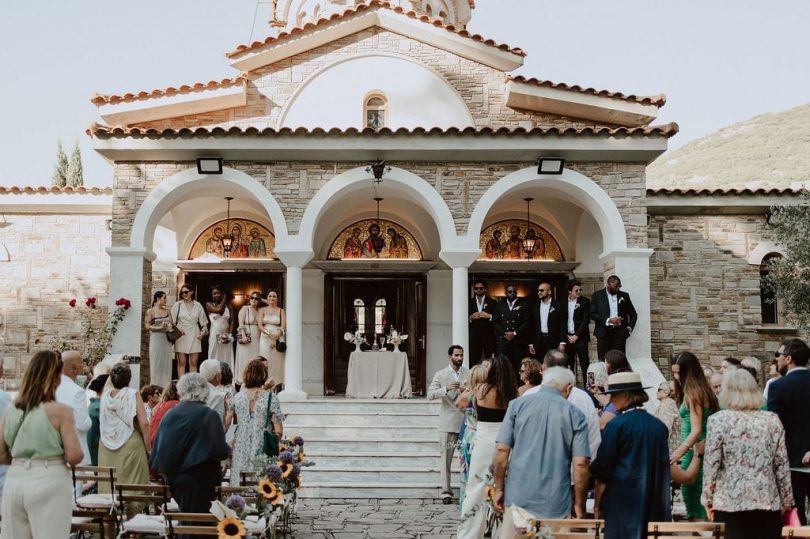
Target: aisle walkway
[367, 518]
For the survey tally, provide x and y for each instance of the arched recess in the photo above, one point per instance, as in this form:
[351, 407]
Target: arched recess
[398, 182]
[764, 249]
[185, 184]
[571, 186]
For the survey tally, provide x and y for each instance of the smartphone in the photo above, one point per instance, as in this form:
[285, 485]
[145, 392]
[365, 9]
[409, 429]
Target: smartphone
[591, 379]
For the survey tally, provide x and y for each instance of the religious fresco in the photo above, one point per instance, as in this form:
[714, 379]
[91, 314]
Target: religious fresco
[504, 241]
[357, 241]
[251, 240]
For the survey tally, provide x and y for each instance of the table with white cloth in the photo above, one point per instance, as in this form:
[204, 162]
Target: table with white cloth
[379, 375]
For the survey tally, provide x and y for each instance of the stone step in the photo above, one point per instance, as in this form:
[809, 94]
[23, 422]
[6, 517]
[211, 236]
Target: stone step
[350, 406]
[372, 418]
[362, 432]
[427, 459]
[380, 443]
[409, 490]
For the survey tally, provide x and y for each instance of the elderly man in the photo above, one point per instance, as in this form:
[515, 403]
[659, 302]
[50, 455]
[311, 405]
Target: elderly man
[189, 445]
[211, 369]
[632, 465]
[447, 385]
[72, 394]
[541, 436]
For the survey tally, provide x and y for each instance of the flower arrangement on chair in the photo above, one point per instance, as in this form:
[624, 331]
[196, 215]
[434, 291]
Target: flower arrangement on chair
[229, 515]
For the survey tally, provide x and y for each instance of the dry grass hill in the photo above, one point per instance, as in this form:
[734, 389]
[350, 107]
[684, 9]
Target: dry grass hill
[767, 151]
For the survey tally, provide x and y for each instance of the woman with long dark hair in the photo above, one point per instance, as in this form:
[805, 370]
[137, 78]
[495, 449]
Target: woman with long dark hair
[38, 437]
[696, 402]
[157, 322]
[189, 317]
[247, 334]
[491, 400]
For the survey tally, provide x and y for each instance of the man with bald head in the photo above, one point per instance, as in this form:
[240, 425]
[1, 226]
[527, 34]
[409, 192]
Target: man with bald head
[72, 394]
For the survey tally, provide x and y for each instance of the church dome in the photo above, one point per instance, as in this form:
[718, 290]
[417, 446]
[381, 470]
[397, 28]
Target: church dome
[287, 14]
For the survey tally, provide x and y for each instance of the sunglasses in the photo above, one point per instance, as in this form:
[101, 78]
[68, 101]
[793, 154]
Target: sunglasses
[478, 288]
[185, 291]
[778, 354]
[257, 298]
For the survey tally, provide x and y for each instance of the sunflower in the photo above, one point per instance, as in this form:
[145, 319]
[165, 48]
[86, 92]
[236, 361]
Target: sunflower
[269, 492]
[230, 528]
[301, 457]
[298, 482]
[286, 469]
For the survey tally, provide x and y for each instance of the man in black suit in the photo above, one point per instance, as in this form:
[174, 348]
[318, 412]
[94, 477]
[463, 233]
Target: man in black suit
[511, 322]
[789, 398]
[479, 311]
[614, 315]
[548, 323]
[577, 311]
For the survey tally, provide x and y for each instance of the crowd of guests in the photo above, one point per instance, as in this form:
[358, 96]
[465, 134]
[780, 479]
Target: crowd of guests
[188, 435]
[546, 446]
[258, 329]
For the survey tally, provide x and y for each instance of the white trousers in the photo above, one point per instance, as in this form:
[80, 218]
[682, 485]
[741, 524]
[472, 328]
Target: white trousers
[474, 509]
[37, 501]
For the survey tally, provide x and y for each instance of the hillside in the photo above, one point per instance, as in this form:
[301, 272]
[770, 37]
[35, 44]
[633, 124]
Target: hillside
[767, 151]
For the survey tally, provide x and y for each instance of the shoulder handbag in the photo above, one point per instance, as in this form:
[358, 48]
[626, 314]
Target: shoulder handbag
[173, 333]
[270, 442]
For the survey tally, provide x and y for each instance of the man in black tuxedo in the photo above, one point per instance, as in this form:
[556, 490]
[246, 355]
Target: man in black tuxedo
[511, 322]
[577, 311]
[482, 335]
[789, 398]
[548, 323]
[614, 315]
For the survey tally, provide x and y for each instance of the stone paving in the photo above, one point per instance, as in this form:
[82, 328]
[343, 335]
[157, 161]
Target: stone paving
[374, 518]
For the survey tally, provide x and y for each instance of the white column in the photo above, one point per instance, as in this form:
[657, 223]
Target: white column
[460, 260]
[126, 281]
[294, 306]
[632, 266]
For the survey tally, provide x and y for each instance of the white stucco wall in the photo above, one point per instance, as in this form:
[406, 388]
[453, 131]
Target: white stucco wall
[313, 331]
[416, 96]
[439, 320]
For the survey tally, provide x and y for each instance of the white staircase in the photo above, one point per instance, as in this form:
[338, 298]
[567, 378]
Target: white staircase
[367, 448]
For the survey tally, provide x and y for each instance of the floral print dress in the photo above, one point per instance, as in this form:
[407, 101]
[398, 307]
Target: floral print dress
[249, 436]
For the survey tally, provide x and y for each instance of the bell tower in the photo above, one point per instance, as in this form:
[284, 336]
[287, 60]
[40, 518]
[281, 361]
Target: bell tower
[287, 14]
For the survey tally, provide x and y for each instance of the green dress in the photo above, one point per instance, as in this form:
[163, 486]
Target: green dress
[691, 493]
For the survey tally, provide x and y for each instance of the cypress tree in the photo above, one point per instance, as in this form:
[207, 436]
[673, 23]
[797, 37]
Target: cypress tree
[75, 175]
[60, 170]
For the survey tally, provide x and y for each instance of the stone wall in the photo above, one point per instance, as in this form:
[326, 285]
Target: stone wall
[705, 296]
[54, 257]
[461, 185]
[482, 88]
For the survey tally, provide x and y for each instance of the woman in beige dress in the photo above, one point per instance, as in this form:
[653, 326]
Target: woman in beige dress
[189, 317]
[247, 335]
[272, 325]
[157, 323]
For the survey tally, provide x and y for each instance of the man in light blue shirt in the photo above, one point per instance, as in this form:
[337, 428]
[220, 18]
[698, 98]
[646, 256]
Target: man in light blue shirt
[544, 434]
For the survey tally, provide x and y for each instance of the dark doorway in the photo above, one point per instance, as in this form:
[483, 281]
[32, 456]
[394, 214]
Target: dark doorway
[373, 305]
[237, 286]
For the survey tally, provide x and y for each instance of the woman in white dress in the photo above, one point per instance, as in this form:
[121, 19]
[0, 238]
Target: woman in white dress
[160, 348]
[272, 325]
[247, 335]
[189, 317]
[250, 408]
[220, 341]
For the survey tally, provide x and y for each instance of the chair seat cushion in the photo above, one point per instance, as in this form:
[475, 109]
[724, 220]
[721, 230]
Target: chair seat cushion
[142, 523]
[97, 500]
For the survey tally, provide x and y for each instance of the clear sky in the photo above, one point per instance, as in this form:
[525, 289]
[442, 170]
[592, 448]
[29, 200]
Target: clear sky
[718, 61]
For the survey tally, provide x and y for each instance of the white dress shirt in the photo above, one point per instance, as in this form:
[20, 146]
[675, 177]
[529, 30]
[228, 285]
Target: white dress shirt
[613, 302]
[71, 394]
[545, 307]
[572, 305]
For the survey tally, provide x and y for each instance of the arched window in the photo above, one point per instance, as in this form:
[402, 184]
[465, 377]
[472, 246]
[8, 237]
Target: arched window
[769, 299]
[376, 111]
[379, 316]
[360, 315]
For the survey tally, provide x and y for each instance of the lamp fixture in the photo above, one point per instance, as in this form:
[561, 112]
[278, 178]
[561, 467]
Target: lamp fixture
[209, 165]
[227, 239]
[528, 242]
[378, 242]
[550, 165]
[378, 168]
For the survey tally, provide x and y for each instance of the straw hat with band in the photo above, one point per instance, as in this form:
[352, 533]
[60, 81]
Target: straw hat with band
[624, 381]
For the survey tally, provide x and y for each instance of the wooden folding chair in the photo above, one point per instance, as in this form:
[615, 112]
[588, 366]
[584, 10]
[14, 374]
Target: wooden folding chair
[657, 530]
[87, 521]
[249, 478]
[155, 497]
[189, 524]
[254, 525]
[101, 475]
[789, 531]
[572, 528]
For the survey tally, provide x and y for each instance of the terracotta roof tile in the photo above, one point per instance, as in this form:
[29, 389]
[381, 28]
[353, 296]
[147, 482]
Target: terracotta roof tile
[730, 191]
[244, 49]
[14, 189]
[658, 100]
[106, 132]
[104, 99]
